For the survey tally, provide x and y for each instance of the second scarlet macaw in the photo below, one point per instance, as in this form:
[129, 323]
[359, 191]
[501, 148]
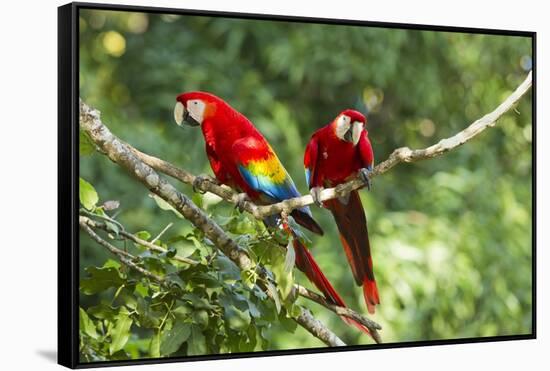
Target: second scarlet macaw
[242, 158]
[336, 153]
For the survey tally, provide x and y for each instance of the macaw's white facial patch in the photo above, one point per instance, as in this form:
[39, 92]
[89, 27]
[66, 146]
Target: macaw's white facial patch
[196, 109]
[356, 131]
[179, 111]
[343, 123]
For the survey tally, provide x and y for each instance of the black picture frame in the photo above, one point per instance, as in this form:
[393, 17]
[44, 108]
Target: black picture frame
[68, 170]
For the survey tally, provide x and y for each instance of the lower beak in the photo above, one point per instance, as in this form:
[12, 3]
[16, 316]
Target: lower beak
[348, 137]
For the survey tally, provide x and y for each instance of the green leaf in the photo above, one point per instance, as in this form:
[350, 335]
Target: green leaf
[100, 279]
[248, 278]
[228, 269]
[285, 278]
[103, 311]
[182, 311]
[197, 200]
[88, 195]
[248, 343]
[290, 258]
[288, 323]
[196, 345]
[85, 145]
[236, 319]
[110, 263]
[87, 325]
[143, 235]
[172, 339]
[112, 227]
[253, 309]
[200, 317]
[141, 290]
[165, 205]
[154, 346]
[121, 332]
[275, 295]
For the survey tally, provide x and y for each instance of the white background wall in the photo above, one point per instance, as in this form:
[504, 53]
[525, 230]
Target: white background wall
[28, 183]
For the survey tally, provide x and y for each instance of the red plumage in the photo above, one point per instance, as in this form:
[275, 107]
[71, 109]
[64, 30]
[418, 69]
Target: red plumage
[331, 160]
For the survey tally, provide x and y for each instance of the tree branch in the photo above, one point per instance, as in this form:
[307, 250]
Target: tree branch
[317, 329]
[399, 155]
[203, 183]
[121, 154]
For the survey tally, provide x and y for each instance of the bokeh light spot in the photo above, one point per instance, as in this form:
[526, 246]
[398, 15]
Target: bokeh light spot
[427, 127]
[137, 23]
[114, 43]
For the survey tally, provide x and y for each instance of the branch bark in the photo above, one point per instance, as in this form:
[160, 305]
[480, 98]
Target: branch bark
[317, 329]
[120, 153]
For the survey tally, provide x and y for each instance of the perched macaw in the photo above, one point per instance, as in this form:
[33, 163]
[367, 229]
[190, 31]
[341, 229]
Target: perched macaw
[243, 159]
[335, 154]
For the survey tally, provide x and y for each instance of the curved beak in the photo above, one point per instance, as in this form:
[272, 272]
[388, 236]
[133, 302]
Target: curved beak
[181, 115]
[354, 133]
[356, 129]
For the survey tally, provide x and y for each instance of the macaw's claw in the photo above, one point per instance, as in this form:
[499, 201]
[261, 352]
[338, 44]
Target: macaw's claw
[364, 175]
[199, 181]
[241, 199]
[316, 194]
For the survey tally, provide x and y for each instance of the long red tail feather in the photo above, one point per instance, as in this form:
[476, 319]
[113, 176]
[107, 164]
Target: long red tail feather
[352, 225]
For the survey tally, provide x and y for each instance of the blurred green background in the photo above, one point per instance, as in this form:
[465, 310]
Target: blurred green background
[452, 237]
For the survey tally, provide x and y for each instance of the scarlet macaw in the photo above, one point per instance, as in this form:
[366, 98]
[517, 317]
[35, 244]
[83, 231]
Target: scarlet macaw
[335, 154]
[243, 159]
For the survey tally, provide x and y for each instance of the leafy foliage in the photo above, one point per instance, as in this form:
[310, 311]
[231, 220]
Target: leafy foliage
[451, 237]
[210, 307]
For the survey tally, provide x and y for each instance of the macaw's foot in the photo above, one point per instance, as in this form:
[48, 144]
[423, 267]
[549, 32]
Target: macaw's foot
[241, 199]
[364, 175]
[199, 181]
[316, 194]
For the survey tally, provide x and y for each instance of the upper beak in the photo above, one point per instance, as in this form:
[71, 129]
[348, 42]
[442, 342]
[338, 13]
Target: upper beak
[356, 129]
[181, 115]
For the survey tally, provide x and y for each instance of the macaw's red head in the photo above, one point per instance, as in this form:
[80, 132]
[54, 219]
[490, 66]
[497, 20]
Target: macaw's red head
[194, 107]
[349, 125]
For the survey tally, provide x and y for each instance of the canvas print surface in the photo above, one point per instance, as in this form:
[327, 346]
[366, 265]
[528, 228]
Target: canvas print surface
[192, 127]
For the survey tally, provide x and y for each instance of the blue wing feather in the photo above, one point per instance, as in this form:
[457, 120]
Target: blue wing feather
[308, 175]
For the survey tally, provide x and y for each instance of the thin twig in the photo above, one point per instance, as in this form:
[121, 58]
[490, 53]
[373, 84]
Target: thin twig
[139, 241]
[126, 258]
[162, 232]
[342, 311]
